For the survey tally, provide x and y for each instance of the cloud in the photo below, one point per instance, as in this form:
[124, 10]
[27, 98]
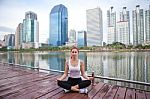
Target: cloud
[6, 29]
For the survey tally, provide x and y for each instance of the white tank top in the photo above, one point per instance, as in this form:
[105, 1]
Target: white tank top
[74, 71]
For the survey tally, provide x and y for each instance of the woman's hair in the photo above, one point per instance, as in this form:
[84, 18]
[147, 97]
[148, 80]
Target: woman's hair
[74, 48]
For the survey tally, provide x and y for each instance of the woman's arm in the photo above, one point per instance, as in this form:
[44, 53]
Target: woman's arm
[65, 73]
[83, 72]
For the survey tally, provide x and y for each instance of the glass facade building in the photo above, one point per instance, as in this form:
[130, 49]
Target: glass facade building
[82, 39]
[138, 26]
[30, 28]
[123, 27]
[10, 41]
[72, 36]
[58, 33]
[18, 36]
[94, 27]
[147, 25]
[111, 19]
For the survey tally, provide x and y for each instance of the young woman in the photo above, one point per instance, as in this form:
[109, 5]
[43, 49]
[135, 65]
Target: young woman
[74, 67]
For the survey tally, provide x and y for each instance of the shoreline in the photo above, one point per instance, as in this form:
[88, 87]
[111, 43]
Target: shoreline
[82, 50]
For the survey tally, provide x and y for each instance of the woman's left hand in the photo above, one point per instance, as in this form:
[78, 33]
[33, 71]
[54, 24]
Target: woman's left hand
[91, 78]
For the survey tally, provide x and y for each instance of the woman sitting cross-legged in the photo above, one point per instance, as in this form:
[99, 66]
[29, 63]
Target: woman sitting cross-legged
[75, 67]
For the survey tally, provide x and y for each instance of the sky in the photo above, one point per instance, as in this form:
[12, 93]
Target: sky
[12, 12]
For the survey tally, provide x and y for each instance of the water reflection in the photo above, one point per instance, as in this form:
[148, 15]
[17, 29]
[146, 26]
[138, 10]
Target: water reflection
[125, 65]
[56, 60]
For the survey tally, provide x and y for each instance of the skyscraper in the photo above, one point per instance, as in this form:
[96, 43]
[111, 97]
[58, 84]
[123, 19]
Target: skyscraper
[81, 39]
[123, 27]
[10, 41]
[138, 26]
[94, 27]
[72, 36]
[147, 25]
[111, 19]
[18, 36]
[58, 33]
[30, 28]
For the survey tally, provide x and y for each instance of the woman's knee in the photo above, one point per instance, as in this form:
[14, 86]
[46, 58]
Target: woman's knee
[59, 83]
[88, 82]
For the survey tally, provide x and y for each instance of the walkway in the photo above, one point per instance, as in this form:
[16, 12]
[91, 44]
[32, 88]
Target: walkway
[22, 83]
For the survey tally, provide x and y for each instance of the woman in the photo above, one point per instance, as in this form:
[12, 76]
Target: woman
[74, 66]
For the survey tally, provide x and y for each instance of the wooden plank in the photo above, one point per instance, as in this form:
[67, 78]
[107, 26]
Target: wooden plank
[29, 80]
[20, 69]
[9, 75]
[33, 93]
[23, 86]
[13, 74]
[140, 94]
[20, 77]
[57, 96]
[95, 90]
[102, 92]
[52, 93]
[147, 95]
[130, 94]
[120, 93]
[111, 92]
[15, 79]
[46, 86]
[24, 80]
[69, 95]
[7, 96]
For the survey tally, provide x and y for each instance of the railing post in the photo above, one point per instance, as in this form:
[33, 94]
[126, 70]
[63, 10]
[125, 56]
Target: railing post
[37, 68]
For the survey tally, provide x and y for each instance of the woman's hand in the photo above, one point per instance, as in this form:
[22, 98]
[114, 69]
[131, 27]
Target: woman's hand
[90, 78]
[58, 79]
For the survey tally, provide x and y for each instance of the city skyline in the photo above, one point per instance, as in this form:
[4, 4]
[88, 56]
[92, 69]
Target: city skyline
[76, 13]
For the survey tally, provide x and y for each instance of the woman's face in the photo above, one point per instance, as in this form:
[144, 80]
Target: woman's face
[74, 52]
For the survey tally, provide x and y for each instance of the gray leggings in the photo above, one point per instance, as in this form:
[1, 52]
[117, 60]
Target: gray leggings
[74, 81]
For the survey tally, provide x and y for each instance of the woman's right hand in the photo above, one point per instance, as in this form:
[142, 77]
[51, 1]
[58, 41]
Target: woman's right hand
[58, 79]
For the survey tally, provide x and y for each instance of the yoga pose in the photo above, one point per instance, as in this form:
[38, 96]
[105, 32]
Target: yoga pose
[76, 68]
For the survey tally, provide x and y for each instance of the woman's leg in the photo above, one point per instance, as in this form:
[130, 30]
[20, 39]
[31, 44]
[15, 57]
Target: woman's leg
[84, 84]
[74, 84]
[64, 84]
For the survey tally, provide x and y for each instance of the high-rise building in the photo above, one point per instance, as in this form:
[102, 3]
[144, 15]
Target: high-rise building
[18, 36]
[138, 26]
[123, 27]
[81, 39]
[147, 25]
[72, 36]
[30, 28]
[10, 41]
[94, 27]
[58, 33]
[111, 19]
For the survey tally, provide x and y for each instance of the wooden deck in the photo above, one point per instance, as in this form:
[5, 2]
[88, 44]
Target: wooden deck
[21, 83]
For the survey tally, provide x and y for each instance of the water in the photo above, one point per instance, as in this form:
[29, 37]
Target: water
[125, 65]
